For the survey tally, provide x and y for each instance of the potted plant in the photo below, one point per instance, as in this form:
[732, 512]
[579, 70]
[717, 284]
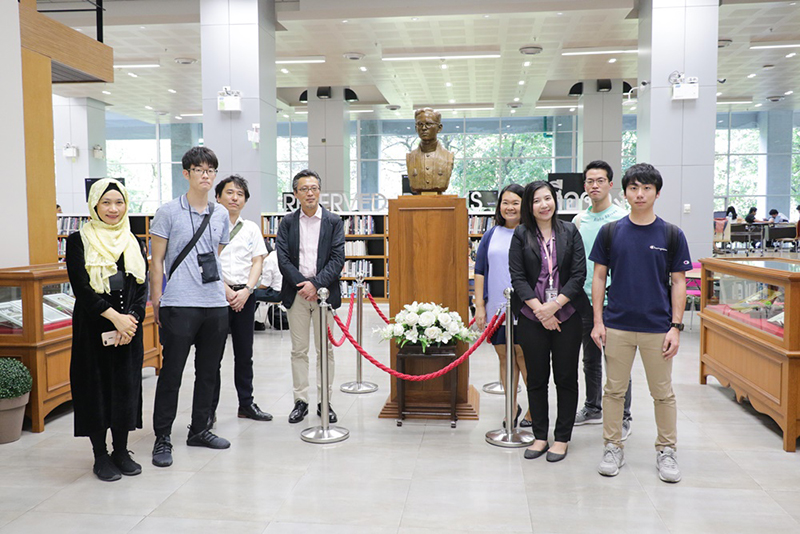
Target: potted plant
[427, 325]
[15, 389]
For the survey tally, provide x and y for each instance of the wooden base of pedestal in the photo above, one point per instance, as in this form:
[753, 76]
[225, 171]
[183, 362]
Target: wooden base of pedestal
[464, 410]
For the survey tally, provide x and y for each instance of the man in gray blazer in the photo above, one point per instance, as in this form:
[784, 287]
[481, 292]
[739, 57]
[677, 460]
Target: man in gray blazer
[310, 246]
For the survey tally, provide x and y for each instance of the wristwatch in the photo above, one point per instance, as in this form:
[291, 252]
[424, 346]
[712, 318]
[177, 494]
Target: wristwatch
[250, 289]
[679, 326]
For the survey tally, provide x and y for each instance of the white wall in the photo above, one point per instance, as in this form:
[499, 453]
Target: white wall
[13, 204]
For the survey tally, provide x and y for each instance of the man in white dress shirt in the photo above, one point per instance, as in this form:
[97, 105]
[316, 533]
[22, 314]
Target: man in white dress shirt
[270, 290]
[241, 260]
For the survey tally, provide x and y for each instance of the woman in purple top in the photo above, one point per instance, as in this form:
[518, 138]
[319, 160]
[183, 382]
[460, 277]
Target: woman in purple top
[492, 278]
[547, 263]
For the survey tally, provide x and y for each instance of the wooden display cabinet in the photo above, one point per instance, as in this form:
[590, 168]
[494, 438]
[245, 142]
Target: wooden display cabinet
[36, 327]
[750, 335]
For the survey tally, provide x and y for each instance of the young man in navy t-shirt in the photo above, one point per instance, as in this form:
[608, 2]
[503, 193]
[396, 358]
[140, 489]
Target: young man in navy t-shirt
[643, 312]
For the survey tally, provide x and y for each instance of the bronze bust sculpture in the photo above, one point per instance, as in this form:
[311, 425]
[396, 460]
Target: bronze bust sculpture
[430, 164]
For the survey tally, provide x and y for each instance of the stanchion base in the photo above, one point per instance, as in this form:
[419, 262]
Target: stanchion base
[513, 439]
[317, 434]
[359, 387]
[496, 388]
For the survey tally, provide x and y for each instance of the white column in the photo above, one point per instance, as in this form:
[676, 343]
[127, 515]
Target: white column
[81, 122]
[600, 125]
[238, 51]
[677, 136]
[329, 139]
[13, 206]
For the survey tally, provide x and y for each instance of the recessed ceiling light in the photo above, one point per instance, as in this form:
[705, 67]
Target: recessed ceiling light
[513, 111]
[486, 16]
[612, 60]
[572, 109]
[80, 30]
[285, 71]
[448, 84]
[106, 92]
[132, 75]
[526, 64]
[173, 91]
[559, 14]
[452, 101]
[179, 117]
[633, 108]
[345, 21]
[142, 28]
[522, 82]
[751, 75]
[791, 54]
[414, 19]
[516, 99]
[759, 105]
[285, 115]
[148, 107]
[787, 93]
[719, 93]
[362, 68]
[444, 66]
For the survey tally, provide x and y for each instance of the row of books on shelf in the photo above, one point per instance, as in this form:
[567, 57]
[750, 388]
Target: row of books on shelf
[353, 267]
[479, 224]
[69, 224]
[359, 224]
[269, 224]
[355, 248]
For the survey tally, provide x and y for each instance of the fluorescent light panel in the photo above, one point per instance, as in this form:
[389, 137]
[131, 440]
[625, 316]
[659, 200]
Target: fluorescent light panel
[136, 65]
[191, 114]
[302, 59]
[774, 44]
[599, 51]
[424, 56]
[732, 102]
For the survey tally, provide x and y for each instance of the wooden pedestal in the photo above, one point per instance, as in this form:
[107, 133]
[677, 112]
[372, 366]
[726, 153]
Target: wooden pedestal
[428, 262]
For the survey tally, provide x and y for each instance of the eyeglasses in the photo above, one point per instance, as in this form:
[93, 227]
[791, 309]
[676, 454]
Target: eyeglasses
[201, 172]
[598, 181]
[427, 125]
[307, 188]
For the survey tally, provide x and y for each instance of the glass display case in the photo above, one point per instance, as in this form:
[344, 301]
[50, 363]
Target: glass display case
[36, 305]
[750, 334]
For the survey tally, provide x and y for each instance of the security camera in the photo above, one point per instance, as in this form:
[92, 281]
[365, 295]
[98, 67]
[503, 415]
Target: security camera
[722, 80]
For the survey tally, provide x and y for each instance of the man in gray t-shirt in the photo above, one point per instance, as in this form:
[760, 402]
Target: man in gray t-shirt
[191, 309]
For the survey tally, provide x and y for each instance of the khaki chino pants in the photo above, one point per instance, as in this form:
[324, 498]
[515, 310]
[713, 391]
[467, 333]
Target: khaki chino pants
[302, 315]
[620, 351]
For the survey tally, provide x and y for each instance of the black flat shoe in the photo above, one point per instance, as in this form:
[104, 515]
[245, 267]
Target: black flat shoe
[526, 423]
[553, 457]
[331, 414]
[532, 455]
[516, 417]
[253, 412]
[105, 469]
[300, 411]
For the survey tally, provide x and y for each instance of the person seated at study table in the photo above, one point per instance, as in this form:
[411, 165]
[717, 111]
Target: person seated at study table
[270, 288]
[731, 214]
[751, 215]
[777, 217]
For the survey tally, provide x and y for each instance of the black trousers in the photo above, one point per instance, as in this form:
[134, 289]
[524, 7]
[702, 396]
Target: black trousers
[593, 372]
[206, 329]
[540, 346]
[240, 326]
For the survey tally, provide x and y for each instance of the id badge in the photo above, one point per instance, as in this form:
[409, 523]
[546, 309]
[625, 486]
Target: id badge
[550, 294]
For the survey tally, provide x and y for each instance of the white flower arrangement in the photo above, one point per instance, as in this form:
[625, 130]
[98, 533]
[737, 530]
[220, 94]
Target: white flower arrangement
[426, 324]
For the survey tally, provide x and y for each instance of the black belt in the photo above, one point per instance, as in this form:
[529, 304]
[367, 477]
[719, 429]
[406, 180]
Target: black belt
[239, 287]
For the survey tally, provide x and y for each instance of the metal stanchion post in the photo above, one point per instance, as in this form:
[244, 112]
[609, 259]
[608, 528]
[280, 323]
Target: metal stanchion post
[326, 433]
[509, 436]
[359, 386]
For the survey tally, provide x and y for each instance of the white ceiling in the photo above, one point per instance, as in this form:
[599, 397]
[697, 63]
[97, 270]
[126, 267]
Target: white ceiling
[163, 30]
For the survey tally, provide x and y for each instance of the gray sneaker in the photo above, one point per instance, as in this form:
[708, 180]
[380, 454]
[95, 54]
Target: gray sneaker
[613, 459]
[585, 416]
[667, 464]
[626, 429]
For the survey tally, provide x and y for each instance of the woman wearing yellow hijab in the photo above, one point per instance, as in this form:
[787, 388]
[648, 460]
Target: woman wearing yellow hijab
[108, 271]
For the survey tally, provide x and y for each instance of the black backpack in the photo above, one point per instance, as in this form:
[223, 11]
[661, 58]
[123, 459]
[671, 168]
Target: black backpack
[672, 234]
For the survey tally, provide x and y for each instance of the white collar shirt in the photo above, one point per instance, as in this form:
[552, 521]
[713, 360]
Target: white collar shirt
[309, 242]
[271, 274]
[237, 256]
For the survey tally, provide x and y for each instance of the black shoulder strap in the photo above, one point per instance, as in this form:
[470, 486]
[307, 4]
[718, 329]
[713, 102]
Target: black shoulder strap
[193, 241]
[607, 234]
[672, 248]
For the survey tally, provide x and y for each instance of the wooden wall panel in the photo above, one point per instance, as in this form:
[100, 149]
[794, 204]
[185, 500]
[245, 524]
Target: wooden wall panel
[39, 158]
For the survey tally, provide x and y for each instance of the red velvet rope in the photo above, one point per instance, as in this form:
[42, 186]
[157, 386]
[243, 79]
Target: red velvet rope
[491, 328]
[349, 316]
[377, 309]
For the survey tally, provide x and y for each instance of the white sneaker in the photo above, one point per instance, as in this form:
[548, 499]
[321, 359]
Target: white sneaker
[667, 464]
[588, 417]
[613, 459]
[626, 429]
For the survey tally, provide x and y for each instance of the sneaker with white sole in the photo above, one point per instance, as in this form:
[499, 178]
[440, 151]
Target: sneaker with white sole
[667, 464]
[626, 429]
[585, 416]
[613, 459]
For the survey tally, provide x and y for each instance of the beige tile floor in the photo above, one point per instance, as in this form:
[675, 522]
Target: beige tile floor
[422, 478]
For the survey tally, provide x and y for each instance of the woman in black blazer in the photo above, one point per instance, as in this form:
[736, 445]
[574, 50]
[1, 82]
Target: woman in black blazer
[548, 268]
